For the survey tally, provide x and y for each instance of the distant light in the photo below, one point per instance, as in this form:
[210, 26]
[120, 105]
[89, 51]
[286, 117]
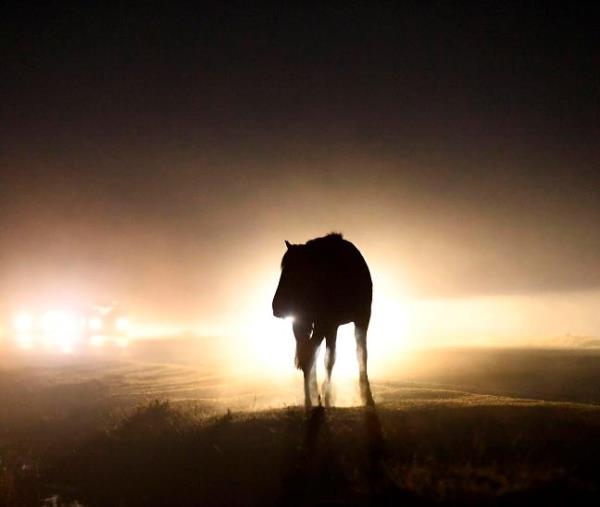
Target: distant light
[122, 324]
[95, 324]
[23, 322]
[61, 328]
[289, 318]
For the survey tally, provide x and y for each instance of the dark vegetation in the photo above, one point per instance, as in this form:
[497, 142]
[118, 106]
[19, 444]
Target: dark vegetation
[437, 454]
[465, 427]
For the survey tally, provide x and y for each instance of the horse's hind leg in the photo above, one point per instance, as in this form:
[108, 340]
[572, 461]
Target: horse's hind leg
[330, 340]
[360, 332]
[309, 368]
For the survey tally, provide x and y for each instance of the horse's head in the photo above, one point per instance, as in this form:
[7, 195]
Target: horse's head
[293, 298]
[293, 292]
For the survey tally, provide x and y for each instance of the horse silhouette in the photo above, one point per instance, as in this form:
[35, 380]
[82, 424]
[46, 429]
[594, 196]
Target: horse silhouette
[325, 283]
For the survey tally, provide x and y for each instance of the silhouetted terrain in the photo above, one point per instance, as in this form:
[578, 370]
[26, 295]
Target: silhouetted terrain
[462, 427]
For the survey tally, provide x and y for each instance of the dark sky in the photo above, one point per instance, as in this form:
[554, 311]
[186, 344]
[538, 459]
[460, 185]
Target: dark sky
[161, 156]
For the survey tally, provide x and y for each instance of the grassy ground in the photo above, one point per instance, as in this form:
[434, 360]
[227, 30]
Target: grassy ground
[85, 433]
[441, 453]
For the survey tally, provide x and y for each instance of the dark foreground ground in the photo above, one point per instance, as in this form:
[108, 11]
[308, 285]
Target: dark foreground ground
[134, 433]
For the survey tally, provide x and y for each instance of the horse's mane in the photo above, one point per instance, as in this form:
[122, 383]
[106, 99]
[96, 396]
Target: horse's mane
[332, 236]
[328, 239]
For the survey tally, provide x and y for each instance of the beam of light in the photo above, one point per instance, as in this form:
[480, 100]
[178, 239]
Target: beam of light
[273, 348]
[61, 329]
[390, 333]
[264, 346]
[387, 338]
[268, 344]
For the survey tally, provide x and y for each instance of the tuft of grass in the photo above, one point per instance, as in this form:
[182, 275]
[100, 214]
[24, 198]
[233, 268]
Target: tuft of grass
[161, 454]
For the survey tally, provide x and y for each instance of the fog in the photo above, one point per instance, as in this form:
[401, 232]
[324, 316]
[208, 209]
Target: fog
[165, 172]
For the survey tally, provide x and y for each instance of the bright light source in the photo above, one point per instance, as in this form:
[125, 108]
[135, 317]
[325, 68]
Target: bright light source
[346, 364]
[61, 328]
[122, 324]
[274, 352]
[58, 322]
[95, 323]
[289, 318]
[23, 322]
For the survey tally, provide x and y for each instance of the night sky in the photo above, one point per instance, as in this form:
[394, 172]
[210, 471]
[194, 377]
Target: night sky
[161, 156]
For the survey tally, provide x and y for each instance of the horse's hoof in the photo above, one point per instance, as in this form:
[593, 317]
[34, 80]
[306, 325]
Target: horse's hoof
[367, 399]
[317, 411]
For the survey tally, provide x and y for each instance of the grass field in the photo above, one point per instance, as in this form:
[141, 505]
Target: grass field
[466, 427]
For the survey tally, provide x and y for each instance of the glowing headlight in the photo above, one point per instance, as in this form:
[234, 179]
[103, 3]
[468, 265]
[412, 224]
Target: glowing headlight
[61, 329]
[23, 322]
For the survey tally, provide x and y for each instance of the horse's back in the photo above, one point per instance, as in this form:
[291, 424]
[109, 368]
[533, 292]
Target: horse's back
[343, 277]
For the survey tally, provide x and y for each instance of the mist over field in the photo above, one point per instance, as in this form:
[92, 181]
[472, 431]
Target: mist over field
[176, 175]
[174, 421]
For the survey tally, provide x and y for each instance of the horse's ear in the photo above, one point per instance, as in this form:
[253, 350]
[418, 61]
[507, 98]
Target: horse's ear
[288, 244]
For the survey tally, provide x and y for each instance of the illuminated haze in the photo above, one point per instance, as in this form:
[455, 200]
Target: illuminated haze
[163, 164]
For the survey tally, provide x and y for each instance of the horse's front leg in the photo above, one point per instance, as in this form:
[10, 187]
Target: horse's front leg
[307, 400]
[307, 345]
[305, 358]
[310, 386]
